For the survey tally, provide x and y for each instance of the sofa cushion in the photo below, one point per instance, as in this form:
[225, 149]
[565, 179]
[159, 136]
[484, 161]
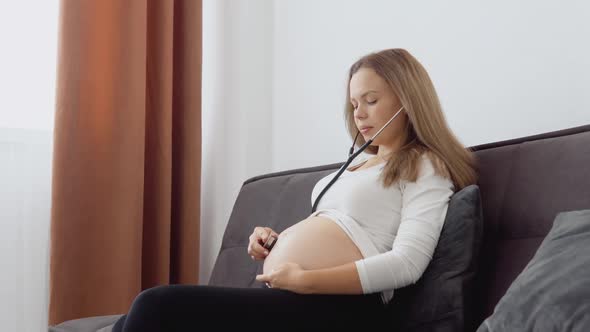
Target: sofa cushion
[524, 184]
[441, 300]
[88, 324]
[552, 293]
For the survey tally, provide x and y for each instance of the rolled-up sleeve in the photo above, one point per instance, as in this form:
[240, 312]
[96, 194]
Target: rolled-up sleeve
[424, 207]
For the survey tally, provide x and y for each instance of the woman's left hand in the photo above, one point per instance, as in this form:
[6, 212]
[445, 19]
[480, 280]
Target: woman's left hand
[288, 276]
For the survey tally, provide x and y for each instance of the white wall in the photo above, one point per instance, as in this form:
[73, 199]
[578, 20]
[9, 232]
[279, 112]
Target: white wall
[277, 71]
[28, 31]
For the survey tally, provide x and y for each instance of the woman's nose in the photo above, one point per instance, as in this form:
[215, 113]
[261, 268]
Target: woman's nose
[360, 113]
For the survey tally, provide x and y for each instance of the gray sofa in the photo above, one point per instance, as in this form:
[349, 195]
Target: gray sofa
[524, 184]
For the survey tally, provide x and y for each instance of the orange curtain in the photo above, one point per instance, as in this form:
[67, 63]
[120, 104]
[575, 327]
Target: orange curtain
[127, 150]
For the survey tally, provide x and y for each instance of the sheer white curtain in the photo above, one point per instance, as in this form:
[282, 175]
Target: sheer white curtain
[27, 92]
[237, 110]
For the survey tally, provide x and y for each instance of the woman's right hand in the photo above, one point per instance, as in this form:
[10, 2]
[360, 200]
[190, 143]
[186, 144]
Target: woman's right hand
[257, 240]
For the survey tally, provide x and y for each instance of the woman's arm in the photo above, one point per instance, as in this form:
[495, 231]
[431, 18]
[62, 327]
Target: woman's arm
[424, 207]
[343, 279]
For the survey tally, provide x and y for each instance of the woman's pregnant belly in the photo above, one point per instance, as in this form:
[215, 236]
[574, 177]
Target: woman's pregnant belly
[314, 243]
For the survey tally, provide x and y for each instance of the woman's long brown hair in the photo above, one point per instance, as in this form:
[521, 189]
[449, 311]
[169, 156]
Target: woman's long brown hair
[427, 130]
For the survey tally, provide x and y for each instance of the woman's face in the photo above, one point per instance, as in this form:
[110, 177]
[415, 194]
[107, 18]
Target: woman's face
[374, 104]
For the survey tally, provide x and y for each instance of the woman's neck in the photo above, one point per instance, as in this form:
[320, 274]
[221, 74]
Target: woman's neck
[386, 151]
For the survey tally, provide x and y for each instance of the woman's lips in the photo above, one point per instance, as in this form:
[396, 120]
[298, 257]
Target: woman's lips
[366, 130]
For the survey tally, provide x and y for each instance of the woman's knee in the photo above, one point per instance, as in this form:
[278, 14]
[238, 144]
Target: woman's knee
[146, 313]
[148, 304]
[149, 299]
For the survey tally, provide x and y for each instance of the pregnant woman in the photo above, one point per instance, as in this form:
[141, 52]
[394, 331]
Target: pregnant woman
[374, 230]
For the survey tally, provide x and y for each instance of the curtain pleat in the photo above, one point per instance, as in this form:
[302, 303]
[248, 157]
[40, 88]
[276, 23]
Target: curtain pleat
[127, 150]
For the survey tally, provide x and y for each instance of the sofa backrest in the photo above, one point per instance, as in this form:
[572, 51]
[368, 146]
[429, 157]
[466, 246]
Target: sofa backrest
[524, 183]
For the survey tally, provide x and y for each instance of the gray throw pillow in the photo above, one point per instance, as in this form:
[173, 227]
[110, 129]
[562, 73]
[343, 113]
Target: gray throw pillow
[442, 299]
[552, 293]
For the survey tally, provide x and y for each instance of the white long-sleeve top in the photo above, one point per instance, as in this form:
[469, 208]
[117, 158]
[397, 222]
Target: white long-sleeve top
[396, 228]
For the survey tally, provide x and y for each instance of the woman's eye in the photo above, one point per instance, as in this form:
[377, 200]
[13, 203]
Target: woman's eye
[368, 102]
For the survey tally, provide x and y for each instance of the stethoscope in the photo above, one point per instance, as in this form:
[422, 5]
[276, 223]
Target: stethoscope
[351, 157]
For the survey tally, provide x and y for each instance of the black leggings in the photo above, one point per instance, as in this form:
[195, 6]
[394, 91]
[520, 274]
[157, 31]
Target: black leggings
[196, 307]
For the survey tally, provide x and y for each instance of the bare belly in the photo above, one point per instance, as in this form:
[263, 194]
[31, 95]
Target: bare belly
[313, 243]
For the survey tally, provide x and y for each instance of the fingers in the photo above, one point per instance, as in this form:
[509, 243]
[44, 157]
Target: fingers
[268, 279]
[257, 239]
[262, 233]
[256, 251]
[262, 277]
[267, 283]
[271, 232]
